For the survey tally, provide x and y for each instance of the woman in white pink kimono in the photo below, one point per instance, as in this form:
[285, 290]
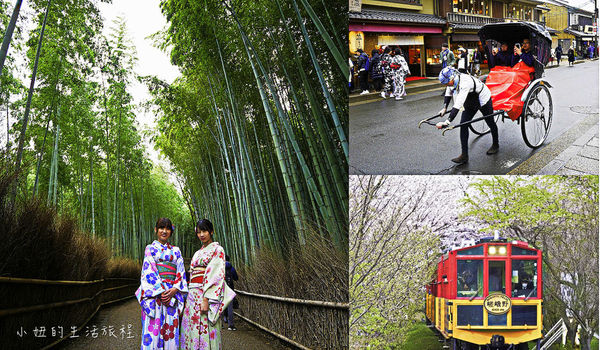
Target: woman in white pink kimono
[162, 291]
[208, 294]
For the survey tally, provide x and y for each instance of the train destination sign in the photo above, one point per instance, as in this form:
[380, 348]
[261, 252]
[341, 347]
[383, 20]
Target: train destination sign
[497, 303]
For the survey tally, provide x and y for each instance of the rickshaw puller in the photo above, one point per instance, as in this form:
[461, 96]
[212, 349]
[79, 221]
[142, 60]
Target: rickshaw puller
[473, 95]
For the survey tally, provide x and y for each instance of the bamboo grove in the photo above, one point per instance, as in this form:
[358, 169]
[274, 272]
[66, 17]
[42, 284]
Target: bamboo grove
[73, 133]
[254, 129]
[256, 125]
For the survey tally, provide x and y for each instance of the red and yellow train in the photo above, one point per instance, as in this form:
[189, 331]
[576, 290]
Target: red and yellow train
[488, 295]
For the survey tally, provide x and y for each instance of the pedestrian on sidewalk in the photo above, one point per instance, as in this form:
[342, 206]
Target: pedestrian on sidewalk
[447, 56]
[230, 276]
[351, 66]
[477, 60]
[558, 53]
[388, 77]
[375, 70]
[571, 56]
[362, 65]
[399, 69]
[591, 51]
[463, 60]
[473, 95]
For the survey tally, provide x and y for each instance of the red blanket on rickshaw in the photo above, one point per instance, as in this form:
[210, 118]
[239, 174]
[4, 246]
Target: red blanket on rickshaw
[507, 85]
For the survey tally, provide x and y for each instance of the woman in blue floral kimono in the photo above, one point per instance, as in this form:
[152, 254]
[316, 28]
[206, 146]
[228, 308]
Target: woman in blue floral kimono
[162, 291]
[208, 294]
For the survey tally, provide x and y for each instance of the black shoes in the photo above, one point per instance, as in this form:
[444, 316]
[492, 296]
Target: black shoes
[493, 149]
[462, 159]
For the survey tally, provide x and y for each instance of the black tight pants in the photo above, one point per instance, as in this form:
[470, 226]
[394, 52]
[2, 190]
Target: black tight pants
[467, 115]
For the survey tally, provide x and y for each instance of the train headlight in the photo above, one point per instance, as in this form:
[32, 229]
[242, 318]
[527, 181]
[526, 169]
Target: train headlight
[502, 250]
[492, 250]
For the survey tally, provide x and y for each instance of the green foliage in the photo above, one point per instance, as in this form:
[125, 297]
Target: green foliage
[421, 338]
[96, 168]
[245, 127]
[559, 215]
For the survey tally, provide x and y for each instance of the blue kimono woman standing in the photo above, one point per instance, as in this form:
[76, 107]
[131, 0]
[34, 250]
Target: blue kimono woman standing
[162, 291]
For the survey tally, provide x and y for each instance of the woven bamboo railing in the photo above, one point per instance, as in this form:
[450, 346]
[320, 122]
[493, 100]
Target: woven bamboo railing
[30, 303]
[305, 324]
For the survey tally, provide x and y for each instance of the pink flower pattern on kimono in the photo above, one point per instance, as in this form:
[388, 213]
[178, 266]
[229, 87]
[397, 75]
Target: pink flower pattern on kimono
[203, 331]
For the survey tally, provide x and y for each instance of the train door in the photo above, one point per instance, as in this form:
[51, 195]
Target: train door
[497, 284]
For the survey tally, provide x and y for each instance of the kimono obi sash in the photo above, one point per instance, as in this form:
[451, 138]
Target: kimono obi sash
[197, 276]
[197, 279]
[167, 270]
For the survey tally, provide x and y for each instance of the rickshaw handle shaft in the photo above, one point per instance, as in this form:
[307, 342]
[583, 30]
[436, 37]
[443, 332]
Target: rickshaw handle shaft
[431, 118]
[472, 121]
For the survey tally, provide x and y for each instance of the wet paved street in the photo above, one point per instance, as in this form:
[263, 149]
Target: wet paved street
[384, 138]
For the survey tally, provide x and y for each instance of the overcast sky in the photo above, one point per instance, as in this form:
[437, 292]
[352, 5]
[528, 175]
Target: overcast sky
[143, 18]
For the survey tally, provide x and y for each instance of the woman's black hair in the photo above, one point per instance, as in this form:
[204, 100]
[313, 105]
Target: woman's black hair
[164, 223]
[204, 225]
[397, 51]
[387, 49]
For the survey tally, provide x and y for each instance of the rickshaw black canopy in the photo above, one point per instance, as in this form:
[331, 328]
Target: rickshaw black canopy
[513, 32]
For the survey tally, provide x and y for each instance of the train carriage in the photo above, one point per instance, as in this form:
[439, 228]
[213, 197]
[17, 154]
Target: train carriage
[488, 295]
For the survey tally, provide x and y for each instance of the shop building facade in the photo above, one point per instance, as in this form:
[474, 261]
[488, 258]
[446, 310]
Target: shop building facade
[409, 25]
[420, 27]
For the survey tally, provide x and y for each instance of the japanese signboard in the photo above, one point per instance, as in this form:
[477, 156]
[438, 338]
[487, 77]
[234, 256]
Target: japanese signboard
[497, 304]
[355, 5]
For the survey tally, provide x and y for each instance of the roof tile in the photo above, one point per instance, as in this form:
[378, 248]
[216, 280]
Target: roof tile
[393, 16]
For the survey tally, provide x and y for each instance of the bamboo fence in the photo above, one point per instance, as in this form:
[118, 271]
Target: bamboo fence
[305, 324]
[32, 303]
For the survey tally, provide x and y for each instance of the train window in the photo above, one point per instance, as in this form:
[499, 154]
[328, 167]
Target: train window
[497, 276]
[522, 251]
[469, 278]
[496, 320]
[524, 278]
[471, 251]
[469, 315]
[524, 315]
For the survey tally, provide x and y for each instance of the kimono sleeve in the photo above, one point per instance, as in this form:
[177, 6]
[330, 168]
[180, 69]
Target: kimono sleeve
[214, 277]
[182, 284]
[219, 295]
[150, 283]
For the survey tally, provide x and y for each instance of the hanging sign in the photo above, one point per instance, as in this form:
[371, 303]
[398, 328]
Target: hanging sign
[356, 41]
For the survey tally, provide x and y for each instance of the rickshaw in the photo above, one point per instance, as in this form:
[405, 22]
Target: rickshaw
[535, 99]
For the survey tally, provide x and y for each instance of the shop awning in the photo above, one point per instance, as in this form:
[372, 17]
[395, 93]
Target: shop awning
[391, 28]
[582, 35]
[552, 31]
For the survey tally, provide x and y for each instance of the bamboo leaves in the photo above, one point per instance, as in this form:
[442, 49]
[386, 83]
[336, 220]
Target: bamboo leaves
[261, 147]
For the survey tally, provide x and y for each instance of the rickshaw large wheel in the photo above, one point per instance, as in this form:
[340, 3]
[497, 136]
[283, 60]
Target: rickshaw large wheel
[481, 128]
[536, 117]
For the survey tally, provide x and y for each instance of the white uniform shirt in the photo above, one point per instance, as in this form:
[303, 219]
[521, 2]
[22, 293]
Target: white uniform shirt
[465, 85]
